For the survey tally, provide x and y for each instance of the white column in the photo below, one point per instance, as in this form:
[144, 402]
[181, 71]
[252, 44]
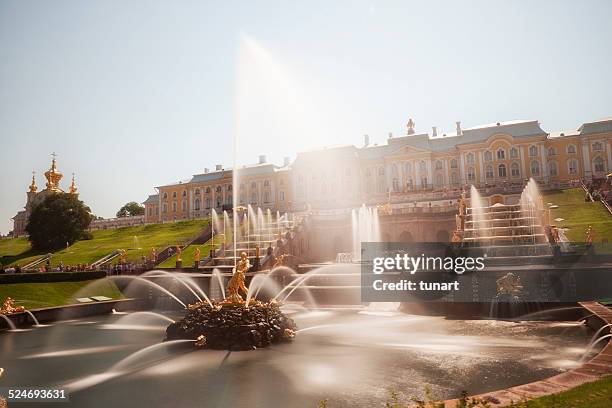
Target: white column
[429, 172]
[481, 170]
[462, 168]
[544, 164]
[586, 158]
[523, 164]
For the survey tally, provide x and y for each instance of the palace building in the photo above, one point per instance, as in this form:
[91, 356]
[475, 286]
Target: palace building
[405, 169]
[34, 196]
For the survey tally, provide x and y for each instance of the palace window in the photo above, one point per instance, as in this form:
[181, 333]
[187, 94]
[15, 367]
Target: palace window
[439, 165]
[207, 190]
[165, 208]
[207, 203]
[514, 170]
[501, 170]
[174, 206]
[597, 147]
[395, 184]
[471, 174]
[197, 191]
[439, 180]
[174, 194]
[381, 187]
[381, 171]
[229, 187]
[571, 149]
[533, 151]
[552, 168]
[599, 165]
[501, 154]
[281, 196]
[488, 156]
[407, 168]
[184, 193]
[197, 204]
[552, 151]
[267, 183]
[266, 197]
[470, 158]
[453, 163]
[219, 189]
[422, 166]
[219, 202]
[513, 153]
[229, 200]
[454, 178]
[535, 168]
[489, 172]
[165, 196]
[184, 205]
[424, 182]
[572, 166]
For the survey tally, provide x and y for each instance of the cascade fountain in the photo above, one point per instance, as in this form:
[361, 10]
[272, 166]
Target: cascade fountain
[508, 230]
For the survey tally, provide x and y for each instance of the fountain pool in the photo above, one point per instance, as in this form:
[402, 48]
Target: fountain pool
[351, 356]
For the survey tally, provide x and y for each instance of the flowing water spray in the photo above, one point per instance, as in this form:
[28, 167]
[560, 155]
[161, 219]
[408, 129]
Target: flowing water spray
[10, 323]
[365, 227]
[148, 282]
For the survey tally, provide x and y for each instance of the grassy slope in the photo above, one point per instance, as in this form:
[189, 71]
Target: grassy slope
[34, 295]
[136, 240]
[187, 256]
[578, 214]
[592, 395]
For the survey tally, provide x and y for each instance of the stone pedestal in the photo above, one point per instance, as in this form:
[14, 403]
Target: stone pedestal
[196, 265]
[179, 264]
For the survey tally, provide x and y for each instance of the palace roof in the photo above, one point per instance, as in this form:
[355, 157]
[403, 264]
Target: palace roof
[597, 126]
[153, 198]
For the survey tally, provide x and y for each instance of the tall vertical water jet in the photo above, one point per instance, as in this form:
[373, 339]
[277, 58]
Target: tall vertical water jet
[480, 222]
[365, 225]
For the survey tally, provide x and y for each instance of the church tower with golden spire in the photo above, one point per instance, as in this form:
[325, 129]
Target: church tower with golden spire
[33, 187]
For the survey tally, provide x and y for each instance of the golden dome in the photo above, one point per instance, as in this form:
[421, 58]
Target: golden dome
[53, 176]
[33, 187]
[73, 189]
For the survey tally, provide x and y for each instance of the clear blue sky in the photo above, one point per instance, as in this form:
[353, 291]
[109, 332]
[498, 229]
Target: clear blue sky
[141, 93]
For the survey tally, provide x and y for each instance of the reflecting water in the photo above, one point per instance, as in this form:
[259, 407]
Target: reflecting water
[351, 356]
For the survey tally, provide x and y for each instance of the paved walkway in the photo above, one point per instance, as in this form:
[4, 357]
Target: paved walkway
[598, 367]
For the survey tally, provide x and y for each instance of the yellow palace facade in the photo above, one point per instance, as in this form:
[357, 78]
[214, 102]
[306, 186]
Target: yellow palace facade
[408, 168]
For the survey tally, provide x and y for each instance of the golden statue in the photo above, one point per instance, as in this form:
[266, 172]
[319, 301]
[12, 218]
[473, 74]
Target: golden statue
[280, 261]
[8, 308]
[196, 255]
[178, 253]
[509, 284]
[456, 238]
[410, 127]
[153, 254]
[236, 282]
[590, 235]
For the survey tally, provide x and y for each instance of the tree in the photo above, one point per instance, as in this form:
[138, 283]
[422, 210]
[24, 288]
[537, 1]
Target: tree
[130, 209]
[58, 220]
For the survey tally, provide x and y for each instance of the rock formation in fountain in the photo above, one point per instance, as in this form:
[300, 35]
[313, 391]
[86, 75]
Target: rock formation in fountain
[234, 324]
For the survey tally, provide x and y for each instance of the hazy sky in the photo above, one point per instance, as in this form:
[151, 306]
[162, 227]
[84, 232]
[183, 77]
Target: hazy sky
[135, 94]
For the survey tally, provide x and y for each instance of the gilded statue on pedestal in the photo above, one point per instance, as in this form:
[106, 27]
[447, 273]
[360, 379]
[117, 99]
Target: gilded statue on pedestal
[8, 308]
[236, 283]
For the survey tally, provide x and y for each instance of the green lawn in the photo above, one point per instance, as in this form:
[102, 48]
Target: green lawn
[35, 295]
[592, 395]
[137, 241]
[187, 255]
[578, 214]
